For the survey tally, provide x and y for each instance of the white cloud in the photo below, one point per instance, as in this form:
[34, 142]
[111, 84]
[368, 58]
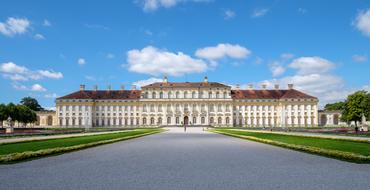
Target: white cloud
[258, 61]
[153, 5]
[19, 86]
[302, 10]
[359, 58]
[15, 72]
[97, 26]
[14, 26]
[81, 61]
[310, 65]
[362, 22]
[46, 23]
[154, 61]
[277, 69]
[151, 80]
[287, 56]
[38, 88]
[110, 56]
[52, 95]
[88, 77]
[50, 74]
[39, 37]
[259, 12]
[223, 50]
[229, 14]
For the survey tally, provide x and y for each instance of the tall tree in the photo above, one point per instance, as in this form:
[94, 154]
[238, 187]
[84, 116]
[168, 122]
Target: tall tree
[335, 106]
[355, 106]
[31, 103]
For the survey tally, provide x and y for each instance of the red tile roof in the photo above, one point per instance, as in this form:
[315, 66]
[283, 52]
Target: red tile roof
[186, 85]
[269, 94]
[104, 94]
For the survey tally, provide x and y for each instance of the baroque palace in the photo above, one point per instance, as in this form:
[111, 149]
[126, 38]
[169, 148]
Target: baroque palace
[190, 103]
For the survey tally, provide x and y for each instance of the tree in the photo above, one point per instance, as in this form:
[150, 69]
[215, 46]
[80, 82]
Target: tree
[356, 105]
[335, 106]
[3, 113]
[31, 103]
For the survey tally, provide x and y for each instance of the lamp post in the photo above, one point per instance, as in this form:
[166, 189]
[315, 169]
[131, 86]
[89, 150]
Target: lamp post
[9, 129]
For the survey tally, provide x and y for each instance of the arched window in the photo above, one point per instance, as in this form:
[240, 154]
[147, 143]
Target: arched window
[152, 121]
[161, 95]
[168, 120]
[194, 120]
[154, 95]
[193, 94]
[203, 120]
[169, 95]
[225, 94]
[209, 94]
[186, 94]
[201, 94]
[146, 95]
[144, 121]
[212, 108]
[219, 120]
[160, 121]
[217, 94]
[227, 120]
[177, 94]
[211, 120]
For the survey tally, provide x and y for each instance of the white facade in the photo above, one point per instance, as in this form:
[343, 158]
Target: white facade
[175, 105]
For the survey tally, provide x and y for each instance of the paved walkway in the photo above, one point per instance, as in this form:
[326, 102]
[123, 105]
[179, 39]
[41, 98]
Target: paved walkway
[21, 139]
[192, 160]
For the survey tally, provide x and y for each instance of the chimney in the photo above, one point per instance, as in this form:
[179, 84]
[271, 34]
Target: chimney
[237, 87]
[133, 87]
[276, 86]
[82, 87]
[264, 86]
[109, 88]
[290, 86]
[95, 87]
[250, 87]
[205, 79]
[165, 79]
[122, 87]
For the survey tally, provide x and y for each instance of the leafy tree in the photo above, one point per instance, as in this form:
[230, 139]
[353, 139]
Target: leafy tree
[335, 106]
[31, 103]
[356, 105]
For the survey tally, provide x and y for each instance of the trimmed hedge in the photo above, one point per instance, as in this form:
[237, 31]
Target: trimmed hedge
[347, 156]
[45, 152]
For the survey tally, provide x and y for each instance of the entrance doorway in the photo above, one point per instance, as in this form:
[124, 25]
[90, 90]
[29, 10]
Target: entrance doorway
[186, 120]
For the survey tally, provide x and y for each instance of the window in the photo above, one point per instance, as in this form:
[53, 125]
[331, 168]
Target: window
[161, 95]
[194, 107]
[168, 107]
[144, 108]
[177, 120]
[201, 94]
[186, 94]
[194, 120]
[211, 120]
[225, 94]
[169, 94]
[146, 95]
[152, 121]
[177, 107]
[144, 121]
[219, 108]
[212, 108]
[217, 94]
[219, 120]
[209, 94]
[154, 95]
[160, 108]
[186, 107]
[168, 120]
[193, 94]
[160, 121]
[177, 94]
[203, 120]
[203, 108]
[152, 108]
[227, 120]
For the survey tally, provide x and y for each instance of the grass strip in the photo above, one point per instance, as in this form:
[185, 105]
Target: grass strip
[347, 150]
[76, 144]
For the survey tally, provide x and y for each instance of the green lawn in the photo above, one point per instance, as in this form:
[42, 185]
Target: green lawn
[348, 146]
[65, 142]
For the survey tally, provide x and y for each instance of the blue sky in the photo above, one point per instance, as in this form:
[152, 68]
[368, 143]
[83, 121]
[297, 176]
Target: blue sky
[49, 48]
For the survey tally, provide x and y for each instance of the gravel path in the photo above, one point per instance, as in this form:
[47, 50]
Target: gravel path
[191, 160]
